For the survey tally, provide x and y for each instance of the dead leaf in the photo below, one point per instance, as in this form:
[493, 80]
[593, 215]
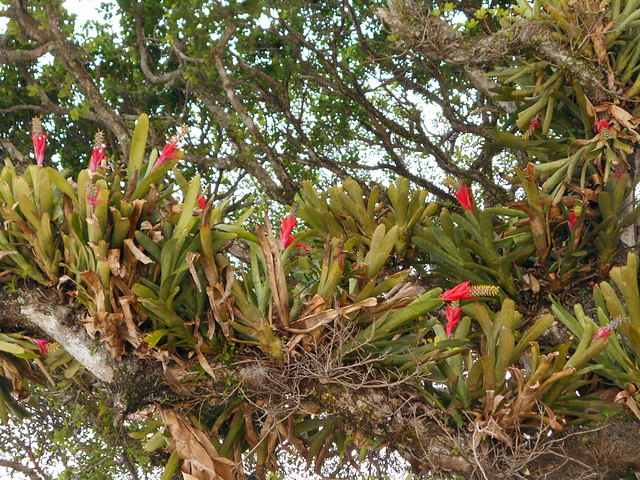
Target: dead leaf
[4, 253]
[135, 336]
[627, 398]
[627, 120]
[275, 272]
[189, 258]
[113, 257]
[311, 322]
[201, 459]
[95, 284]
[137, 252]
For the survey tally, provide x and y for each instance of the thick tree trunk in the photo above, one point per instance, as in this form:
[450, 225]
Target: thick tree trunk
[393, 413]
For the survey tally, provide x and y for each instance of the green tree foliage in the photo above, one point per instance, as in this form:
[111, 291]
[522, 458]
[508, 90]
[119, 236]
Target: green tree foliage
[82, 443]
[477, 328]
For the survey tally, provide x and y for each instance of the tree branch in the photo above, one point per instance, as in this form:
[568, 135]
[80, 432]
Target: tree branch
[132, 380]
[288, 188]
[144, 53]
[13, 152]
[435, 39]
[10, 56]
[68, 54]
[18, 467]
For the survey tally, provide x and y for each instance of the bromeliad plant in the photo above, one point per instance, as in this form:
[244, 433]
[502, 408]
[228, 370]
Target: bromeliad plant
[471, 248]
[155, 277]
[366, 223]
[617, 330]
[570, 128]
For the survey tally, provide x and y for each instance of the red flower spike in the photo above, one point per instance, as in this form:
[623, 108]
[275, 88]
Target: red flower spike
[460, 292]
[484, 290]
[97, 155]
[535, 122]
[574, 215]
[202, 202]
[453, 317]
[93, 199]
[602, 124]
[619, 173]
[285, 232]
[39, 140]
[604, 332]
[464, 197]
[286, 238]
[171, 148]
[572, 220]
[42, 345]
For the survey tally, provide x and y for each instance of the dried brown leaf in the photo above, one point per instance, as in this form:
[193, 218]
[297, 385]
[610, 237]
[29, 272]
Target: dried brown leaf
[201, 459]
[135, 337]
[113, 257]
[311, 322]
[94, 283]
[189, 258]
[4, 253]
[627, 120]
[137, 253]
[275, 272]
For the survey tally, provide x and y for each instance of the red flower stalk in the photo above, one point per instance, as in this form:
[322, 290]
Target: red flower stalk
[572, 220]
[602, 124]
[202, 202]
[460, 292]
[619, 173]
[464, 197]
[453, 317]
[574, 215]
[535, 122]
[93, 199]
[171, 148]
[604, 332]
[39, 140]
[286, 238]
[97, 154]
[466, 290]
[42, 345]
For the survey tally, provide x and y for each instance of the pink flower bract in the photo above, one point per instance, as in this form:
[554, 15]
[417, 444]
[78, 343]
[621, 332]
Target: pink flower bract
[42, 344]
[602, 124]
[286, 238]
[93, 199]
[453, 317]
[171, 148]
[572, 220]
[39, 141]
[535, 122]
[604, 332]
[97, 155]
[459, 292]
[464, 197]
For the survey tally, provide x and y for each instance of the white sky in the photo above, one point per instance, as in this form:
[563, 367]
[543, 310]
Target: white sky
[84, 9]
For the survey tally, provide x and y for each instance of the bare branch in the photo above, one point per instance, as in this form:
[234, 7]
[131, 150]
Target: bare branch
[18, 467]
[144, 53]
[288, 189]
[13, 151]
[69, 56]
[434, 38]
[10, 56]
